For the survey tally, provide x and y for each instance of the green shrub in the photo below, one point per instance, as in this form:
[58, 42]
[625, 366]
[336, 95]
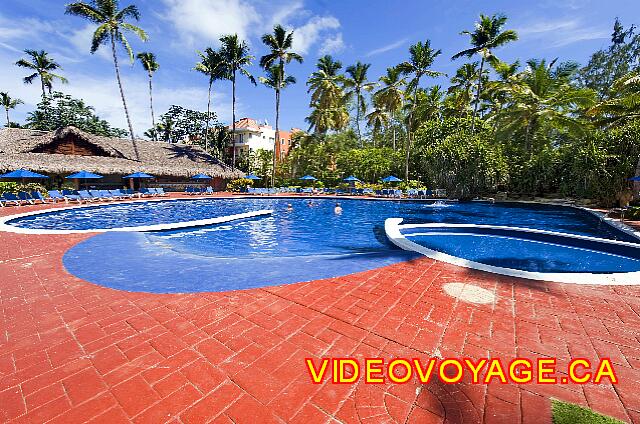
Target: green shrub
[13, 187]
[239, 185]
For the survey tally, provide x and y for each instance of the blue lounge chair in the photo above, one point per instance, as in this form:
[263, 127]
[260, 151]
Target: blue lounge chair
[145, 192]
[56, 196]
[71, 195]
[11, 198]
[90, 196]
[38, 197]
[26, 197]
[117, 195]
[161, 191]
[210, 190]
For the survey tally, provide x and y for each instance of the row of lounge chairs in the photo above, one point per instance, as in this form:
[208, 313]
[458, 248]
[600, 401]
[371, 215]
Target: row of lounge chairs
[199, 190]
[80, 196]
[393, 193]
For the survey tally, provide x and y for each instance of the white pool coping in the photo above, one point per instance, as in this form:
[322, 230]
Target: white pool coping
[5, 226]
[393, 229]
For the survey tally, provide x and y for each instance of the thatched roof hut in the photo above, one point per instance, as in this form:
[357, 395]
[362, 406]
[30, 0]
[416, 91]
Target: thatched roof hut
[69, 150]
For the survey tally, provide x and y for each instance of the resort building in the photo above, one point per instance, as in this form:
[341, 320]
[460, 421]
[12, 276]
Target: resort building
[251, 135]
[68, 150]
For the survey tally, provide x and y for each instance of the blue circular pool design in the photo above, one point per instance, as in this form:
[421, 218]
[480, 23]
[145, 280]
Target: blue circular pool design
[528, 251]
[305, 243]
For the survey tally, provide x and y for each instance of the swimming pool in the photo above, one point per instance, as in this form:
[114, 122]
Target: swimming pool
[305, 243]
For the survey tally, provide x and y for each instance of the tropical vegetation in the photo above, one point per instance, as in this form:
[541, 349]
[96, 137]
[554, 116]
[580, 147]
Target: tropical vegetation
[523, 128]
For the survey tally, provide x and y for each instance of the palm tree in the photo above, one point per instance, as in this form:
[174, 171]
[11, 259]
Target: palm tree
[357, 83]
[279, 44]
[149, 63]
[391, 95]
[486, 36]
[328, 110]
[378, 118]
[624, 104]
[277, 80]
[236, 58]
[42, 66]
[8, 103]
[543, 97]
[462, 83]
[419, 64]
[212, 65]
[111, 28]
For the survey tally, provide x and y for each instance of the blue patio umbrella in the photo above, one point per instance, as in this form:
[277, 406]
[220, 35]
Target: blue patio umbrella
[201, 177]
[636, 178]
[391, 179]
[351, 179]
[84, 175]
[138, 176]
[23, 174]
[252, 177]
[309, 178]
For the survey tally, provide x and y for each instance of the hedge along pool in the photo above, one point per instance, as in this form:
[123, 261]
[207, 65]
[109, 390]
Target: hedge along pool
[306, 243]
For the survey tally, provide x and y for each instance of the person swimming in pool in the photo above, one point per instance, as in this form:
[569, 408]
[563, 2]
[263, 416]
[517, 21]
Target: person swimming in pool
[338, 209]
[310, 204]
[289, 207]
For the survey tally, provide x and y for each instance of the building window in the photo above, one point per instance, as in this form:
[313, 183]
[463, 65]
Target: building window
[282, 141]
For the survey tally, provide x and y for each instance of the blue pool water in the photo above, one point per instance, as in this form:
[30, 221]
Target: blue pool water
[517, 250]
[307, 243]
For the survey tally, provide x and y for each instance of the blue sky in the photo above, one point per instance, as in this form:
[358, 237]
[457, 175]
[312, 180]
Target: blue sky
[375, 31]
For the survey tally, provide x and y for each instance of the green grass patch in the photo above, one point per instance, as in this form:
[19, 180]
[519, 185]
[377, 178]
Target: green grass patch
[569, 413]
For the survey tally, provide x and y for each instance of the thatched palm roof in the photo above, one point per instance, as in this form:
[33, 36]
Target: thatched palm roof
[23, 148]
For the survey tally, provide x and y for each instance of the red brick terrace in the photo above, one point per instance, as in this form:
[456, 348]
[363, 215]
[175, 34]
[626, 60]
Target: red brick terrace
[74, 352]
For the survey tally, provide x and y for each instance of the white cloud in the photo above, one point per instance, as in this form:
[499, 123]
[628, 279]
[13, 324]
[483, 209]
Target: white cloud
[387, 48]
[81, 42]
[309, 33]
[207, 20]
[332, 45]
[203, 22]
[561, 32]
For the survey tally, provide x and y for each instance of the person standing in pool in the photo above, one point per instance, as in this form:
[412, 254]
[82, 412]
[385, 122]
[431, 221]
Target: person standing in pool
[338, 209]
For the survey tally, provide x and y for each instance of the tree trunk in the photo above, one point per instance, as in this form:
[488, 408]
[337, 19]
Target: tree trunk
[6, 109]
[206, 131]
[233, 117]
[393, 125]
[358, 118]
[475, 107]
[44, 93]
[277, 141]
[153, 118]
[124, 102]
[410, 132]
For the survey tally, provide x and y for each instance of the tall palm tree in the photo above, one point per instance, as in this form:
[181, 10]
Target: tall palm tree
[212, 65]
[327, 96]
[149, 63]
[278, 81]
[356, 83]
[378, 118]
[112, 25]
[8, 103]
[421, 57]
[486, 36]
[542, 97]
[279, 44]
[42, 66]
[624, 104]
[391, 95]
[462, 83]
[236, 58]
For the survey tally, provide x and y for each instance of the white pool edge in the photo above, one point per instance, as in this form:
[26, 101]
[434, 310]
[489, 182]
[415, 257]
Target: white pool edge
[393, 226]
[5, 226]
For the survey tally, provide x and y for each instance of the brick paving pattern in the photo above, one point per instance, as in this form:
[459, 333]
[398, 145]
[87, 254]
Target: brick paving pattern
[75, 352]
